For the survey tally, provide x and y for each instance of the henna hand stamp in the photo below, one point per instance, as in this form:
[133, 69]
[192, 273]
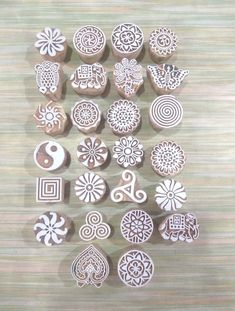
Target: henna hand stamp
[128, 190]
[165, 78]
[90, 267]
[170, 195]
[90, 188]
[168, 158]
[135, 268]
[165, 112]
[52, 228]
[180, 227]
[92, 152]
[51, 44]
[136, 226]
[51, 118]
[50, 189]
[127, 40]
[89, 79]
[89, 41]
[86, 116]
[123, 117]
[94, 228]
[128, 77]
[49, 155]
[128, 151]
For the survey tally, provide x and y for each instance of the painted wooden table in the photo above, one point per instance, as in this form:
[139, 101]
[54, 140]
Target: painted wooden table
[200, 276]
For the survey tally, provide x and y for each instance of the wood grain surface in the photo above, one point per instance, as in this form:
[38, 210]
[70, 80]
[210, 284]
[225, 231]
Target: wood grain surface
[199, 276]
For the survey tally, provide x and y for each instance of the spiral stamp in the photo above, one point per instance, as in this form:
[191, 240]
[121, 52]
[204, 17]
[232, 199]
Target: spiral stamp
[94, 228]
[128, 189]
[50, 189]
[165, 112]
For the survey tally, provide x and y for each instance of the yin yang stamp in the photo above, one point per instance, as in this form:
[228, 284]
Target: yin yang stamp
[50, 189]
[51, 44]
[50, 155]
[165, 112]
[89, 41]
[89, 79]
[86, 116]
[127, 41]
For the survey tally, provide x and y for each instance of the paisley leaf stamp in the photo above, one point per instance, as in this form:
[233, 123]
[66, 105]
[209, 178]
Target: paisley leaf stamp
[50, 189]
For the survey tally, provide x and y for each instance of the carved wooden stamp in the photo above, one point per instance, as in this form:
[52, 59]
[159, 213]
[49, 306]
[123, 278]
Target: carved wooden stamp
[89, 41]
[51, 44]
[50, 189]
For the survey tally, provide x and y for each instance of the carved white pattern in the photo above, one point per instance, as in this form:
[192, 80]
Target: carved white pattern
[94, 227]
[163, 41]
[135, 268]
[49, 189]
[180, 227]
[47, 76]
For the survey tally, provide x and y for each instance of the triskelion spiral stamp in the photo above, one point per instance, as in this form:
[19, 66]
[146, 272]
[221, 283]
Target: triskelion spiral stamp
[170, 195]
[50, 155]
[165, 112]
[127, 40]
[168, 158]
[123, 117]
[86, 116]
[51, 44]
[50, 189]
[165, 78]
[162, 44]
[92, 152]
[51, 118]
[128, 190]
[128, 77]
[94, 228]
[52, 228]
[90, 187]
[180, 227]
[136, 226]
[135, 268]
[89, 79]
[89, 41]
[90, 267]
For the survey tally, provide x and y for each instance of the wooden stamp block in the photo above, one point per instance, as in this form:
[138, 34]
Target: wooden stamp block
[50, 189]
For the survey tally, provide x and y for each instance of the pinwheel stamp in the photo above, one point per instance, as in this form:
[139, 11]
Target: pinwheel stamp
[168, 158]
[135, 268]
[90, 267]
[166, 78]
[180, 227]
[50, 189]
[94, 228]
[136, 226]
[170, 195]
[128, 190]
[128, 77]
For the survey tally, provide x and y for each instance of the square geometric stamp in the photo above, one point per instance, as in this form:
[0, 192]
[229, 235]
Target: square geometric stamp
[50, 189]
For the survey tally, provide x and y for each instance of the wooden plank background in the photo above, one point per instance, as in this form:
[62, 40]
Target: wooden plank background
[193, 277]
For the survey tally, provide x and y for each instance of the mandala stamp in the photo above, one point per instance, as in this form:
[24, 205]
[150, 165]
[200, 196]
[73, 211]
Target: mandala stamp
[51, 228]
[128, 151]
[135, 268]
[94, 228]
[165, 112]
[128, 77]
[170, 195]
[90, 187]
[180, 227]
[90, 267]
[49, 155]
[92, 152]
[51, 118]
[136, 226]
[128, 189]
[86, 116]
[168, 158]
[162, 44]
[123, 117]
[51, 44]
[49, 79]
[89, 79]
[89, 41]
[127, 41]
[50, 189]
